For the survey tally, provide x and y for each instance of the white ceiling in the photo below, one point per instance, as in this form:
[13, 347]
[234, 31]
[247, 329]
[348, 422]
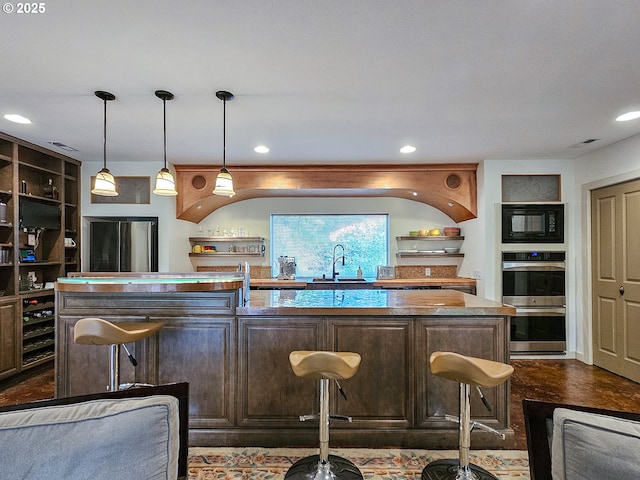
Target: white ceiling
[325, 81]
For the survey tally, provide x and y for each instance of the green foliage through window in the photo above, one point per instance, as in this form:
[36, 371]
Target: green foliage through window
[311, 239]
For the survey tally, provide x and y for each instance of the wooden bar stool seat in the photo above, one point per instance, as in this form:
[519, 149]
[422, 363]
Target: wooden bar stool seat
[467, 371]
[96, 331]
[470, 370]
[324, 366]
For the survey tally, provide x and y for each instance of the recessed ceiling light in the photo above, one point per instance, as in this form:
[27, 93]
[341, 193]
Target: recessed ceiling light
[625, 117]
[261, 149]
[408, 149]
[14, 117]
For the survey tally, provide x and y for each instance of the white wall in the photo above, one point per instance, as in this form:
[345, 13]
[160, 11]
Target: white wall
[170, 230]
[614, 164]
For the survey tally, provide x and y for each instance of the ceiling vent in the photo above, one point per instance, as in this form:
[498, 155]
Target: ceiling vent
[62, 146]
[585, 143]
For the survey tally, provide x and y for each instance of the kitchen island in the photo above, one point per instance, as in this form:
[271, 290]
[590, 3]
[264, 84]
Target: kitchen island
[242, 389]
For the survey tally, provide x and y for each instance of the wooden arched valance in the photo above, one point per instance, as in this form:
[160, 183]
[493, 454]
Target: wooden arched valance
[451, 188]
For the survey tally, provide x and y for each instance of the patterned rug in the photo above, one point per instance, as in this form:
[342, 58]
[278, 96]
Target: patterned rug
[272, 463]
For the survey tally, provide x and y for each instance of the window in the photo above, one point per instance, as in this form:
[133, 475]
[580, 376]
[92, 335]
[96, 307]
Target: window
[311, 240]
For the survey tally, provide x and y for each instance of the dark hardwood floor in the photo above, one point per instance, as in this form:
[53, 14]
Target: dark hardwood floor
[565, 381]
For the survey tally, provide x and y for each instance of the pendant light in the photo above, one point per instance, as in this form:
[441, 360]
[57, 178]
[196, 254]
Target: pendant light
[224, 182]
[165, 184]
[105, 184]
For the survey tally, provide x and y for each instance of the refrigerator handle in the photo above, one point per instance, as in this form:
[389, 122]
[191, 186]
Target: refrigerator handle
[120, 244]
[149, 246]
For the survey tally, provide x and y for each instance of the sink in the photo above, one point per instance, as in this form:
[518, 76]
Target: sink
[345, 283]
[338, 279]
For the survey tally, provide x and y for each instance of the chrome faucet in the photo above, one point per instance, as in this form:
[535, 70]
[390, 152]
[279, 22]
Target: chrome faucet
[333, 263]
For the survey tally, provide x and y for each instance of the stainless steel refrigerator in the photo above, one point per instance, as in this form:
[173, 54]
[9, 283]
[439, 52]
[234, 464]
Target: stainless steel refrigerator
[123, 244]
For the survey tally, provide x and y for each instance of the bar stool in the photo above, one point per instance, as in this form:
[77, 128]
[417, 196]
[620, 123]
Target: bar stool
[96, 331]
[467, 371]
[324, 366]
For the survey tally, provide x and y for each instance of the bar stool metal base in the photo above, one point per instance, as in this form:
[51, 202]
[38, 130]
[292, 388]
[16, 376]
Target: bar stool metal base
[310, 468]
[449, 470]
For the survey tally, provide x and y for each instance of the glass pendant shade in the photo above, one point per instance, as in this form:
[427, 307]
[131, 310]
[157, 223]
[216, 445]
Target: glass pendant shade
[224, 184]
[165, 184]
[105, 184]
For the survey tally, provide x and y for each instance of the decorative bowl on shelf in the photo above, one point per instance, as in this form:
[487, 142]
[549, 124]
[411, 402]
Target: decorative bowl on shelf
[435, 232]
[451, 250]
[451, 232]
[414, 233]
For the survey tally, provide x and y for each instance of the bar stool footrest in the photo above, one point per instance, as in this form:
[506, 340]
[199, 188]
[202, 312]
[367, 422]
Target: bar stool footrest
[475, 424]
[448, 469]
[307, 468]
[346, 418]
[127, 386]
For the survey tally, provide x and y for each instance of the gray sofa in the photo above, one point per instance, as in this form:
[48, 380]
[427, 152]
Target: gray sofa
[134, 434]
[587, 446]
[571, 442]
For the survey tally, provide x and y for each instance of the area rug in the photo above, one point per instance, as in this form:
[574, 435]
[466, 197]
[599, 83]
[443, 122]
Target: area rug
[388, 464]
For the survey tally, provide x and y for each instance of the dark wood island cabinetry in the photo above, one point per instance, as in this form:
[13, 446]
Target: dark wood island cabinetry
[242, 389]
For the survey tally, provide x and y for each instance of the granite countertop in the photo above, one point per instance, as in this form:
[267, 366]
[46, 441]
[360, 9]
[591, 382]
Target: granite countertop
[370, 302]
[150, 283]
[396, 282]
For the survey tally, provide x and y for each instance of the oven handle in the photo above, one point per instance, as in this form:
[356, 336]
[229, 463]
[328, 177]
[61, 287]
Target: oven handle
[529, 266]
[543, 312]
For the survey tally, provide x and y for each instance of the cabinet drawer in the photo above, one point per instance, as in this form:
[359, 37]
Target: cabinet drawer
[167, 304]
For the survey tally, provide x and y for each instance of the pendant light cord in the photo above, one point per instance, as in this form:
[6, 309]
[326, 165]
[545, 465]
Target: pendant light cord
[224, 132]
[104, 136]
[164, 109]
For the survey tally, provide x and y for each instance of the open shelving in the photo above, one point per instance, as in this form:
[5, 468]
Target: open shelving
[248, 246]
[423, 253]
[29, 173]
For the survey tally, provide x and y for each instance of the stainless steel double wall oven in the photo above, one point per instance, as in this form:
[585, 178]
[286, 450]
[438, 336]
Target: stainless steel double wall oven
[535, 282]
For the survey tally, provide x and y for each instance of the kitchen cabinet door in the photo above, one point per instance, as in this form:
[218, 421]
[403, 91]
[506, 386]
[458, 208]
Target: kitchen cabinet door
[481, 337]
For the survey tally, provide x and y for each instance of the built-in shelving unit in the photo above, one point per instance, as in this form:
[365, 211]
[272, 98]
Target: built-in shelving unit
[46, 181]
[227, 246]
[38, 328]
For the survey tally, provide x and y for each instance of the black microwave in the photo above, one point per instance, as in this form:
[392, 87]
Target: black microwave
[533, 223]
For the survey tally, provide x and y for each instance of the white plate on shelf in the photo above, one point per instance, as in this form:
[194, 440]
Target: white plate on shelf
[407, 251]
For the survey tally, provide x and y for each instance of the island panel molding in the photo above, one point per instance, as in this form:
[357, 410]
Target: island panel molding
[451, 188]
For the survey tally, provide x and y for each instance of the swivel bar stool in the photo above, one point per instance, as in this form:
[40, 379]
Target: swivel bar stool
[324, 366]
[467, 371]
[96, 331]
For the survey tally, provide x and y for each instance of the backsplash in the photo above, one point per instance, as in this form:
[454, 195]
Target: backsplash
[403, 271]
[417, 271]
[257, 271]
